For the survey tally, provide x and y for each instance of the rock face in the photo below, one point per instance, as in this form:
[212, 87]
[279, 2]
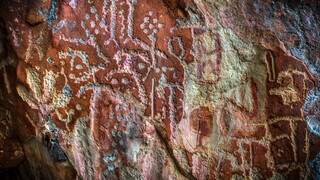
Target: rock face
[159, 89]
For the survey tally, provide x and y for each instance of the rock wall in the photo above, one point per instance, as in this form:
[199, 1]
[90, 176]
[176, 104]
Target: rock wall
[159, 89]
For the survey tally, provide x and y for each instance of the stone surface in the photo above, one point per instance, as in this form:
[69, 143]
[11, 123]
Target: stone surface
[11, 152]
[160, 89]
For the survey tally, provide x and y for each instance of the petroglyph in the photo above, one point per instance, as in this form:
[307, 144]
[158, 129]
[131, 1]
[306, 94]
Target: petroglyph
[288, 91]
[129, 77]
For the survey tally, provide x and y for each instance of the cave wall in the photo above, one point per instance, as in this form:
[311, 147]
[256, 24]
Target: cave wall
[159, 89]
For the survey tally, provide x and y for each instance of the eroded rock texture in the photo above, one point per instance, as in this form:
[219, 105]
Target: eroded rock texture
[160, 89]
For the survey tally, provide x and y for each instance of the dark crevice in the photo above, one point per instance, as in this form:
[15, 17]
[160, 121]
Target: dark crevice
[54, 149]
[169, 150]
[20, 172]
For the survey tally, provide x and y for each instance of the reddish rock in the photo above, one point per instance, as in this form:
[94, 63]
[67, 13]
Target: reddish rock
[160, 89]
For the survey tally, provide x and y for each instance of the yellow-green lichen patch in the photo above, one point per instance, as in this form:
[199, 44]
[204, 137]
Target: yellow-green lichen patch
[62, 99]
[237, 58]
[34, 83]
[26, 96]
[49, 83]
